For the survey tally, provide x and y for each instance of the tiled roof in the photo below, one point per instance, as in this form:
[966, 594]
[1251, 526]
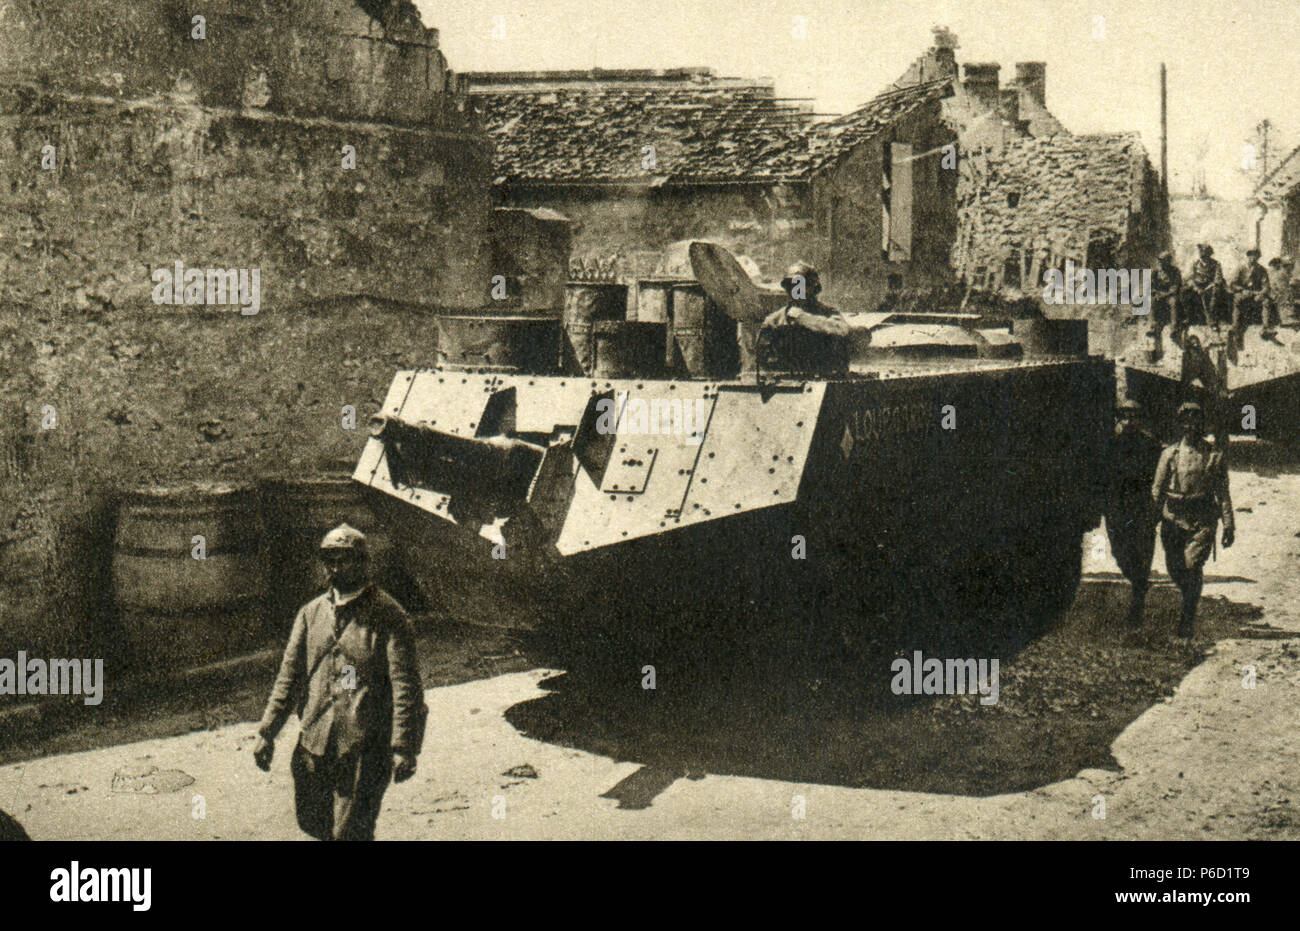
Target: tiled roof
[829, 140]
[702, 130]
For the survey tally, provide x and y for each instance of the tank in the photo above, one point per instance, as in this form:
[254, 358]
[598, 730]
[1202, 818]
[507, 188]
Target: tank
[1252, 388]
[946, 458]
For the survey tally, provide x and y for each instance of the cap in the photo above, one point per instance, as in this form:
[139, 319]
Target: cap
[1166, 256]
[1252, 252]
[345, 537]
[1188, 408]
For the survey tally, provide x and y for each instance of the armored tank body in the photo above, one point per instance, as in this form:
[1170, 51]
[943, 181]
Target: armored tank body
[1252, 387]
[587, 472]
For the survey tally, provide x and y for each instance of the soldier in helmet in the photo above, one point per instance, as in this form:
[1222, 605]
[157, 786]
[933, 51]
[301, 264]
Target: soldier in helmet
[804, 336]
[1205, 287]
[1191, 490]
[349, 672]
[1130, 518]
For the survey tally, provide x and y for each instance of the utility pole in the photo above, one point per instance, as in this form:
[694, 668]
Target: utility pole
[1164, 132]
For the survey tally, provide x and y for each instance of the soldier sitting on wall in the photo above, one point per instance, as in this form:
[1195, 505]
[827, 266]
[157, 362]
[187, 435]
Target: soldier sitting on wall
[805, 336]
[1166, 299]
[1252, 301]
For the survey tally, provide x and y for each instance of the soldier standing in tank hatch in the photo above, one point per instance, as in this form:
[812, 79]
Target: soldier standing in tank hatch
[1191, 489]
[1131, 521]
[804, 336]
[349, 672]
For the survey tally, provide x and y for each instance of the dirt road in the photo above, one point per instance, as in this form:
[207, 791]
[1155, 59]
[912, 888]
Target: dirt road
[1097, 733]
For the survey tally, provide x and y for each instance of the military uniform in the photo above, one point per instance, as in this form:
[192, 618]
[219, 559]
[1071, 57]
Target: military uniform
[1130, 519]
[1191, 489]
[349, 671]
[1205, 290]
[805, 336]
[1166, 297]
[1252, 301]
[1279, 287]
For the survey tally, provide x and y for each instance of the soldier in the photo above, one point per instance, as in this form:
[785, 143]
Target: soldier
[1166, 298]
[1205, 288]
[805, 335]
[1279, 287]
[1251, 299]
[1191, 489]
[1130, 518]
[349, 672]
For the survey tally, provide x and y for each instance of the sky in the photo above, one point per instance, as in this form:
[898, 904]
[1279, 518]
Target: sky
[1231, 63]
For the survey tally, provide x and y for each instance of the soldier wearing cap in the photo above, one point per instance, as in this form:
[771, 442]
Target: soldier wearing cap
[1130, 519]
[1191, 490]
[1166, 297]
[1205, 287]
[1251, 299]
[349, 672]
[805, 336]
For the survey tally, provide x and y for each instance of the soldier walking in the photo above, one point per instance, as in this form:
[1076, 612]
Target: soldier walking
[1191, 490]
[1130, 518]
[349, 672]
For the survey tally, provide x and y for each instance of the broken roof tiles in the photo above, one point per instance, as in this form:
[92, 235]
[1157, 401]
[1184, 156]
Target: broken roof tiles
[689, 129]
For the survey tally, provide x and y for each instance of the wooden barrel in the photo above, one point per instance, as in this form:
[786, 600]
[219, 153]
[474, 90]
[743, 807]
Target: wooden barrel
[584, 304]
[182, 599]
[298, 514]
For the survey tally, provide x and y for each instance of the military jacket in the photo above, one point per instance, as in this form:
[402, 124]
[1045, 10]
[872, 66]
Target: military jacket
[349, 671]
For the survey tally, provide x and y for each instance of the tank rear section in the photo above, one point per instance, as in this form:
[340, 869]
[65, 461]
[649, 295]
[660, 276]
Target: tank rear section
[965, 478]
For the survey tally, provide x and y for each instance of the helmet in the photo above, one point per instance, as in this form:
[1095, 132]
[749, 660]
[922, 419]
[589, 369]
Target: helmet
[1188, 410]
[804, 271]
[345, 537]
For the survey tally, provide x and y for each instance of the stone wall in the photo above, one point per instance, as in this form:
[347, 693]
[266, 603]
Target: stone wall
[223, 152]
[1094, 200]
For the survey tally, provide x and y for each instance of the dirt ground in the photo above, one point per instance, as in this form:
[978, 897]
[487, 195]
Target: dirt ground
[1099, 732]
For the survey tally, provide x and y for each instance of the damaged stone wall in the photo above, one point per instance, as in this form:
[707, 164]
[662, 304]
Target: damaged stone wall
[225, 151]
[1095, 200]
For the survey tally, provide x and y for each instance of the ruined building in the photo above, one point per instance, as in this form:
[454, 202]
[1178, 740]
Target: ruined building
[1277, 199]
[1032, 194]
[641, 159]
[323, 143]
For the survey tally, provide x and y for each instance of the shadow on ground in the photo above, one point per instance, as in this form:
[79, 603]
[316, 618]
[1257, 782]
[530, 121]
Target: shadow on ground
[826, 714]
